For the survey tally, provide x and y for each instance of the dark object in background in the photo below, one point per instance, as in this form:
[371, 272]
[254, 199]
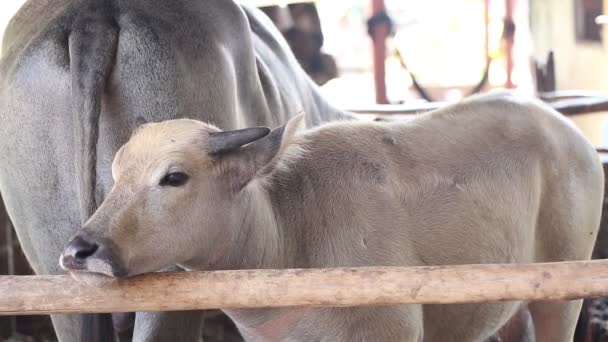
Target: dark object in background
[301, 27]
[544, 73]
[585, 12]
[593, 323]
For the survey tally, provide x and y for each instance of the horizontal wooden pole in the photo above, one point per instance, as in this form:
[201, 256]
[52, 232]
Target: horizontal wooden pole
[20, 295]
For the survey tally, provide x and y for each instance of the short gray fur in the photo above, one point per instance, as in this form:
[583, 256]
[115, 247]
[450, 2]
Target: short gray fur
[77, 77]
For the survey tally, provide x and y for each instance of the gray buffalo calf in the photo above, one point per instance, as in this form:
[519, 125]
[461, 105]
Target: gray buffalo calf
[493, 179]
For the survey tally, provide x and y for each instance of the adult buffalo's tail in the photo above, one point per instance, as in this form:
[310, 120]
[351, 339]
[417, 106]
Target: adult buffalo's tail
[92, 43]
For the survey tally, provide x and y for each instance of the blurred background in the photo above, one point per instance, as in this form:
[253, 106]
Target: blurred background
[443, 50]
[412, 52]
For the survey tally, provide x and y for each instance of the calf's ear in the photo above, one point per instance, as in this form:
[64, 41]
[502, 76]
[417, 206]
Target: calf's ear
[245, 154]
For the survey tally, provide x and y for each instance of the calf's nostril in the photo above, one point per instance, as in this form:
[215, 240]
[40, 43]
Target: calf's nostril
[80, 248]
[85, 253]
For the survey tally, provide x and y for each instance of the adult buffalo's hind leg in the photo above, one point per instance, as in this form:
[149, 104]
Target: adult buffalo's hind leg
[123, 324]
[519, 329]
[165, 326]
[555, 321]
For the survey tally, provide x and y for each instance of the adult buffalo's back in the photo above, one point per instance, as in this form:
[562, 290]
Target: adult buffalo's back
[77, 77]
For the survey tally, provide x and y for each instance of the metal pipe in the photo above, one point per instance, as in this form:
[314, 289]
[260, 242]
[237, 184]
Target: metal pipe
[509, 41]
[379, 35]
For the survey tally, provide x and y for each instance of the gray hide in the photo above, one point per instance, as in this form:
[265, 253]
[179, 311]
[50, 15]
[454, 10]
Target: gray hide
[77, 77]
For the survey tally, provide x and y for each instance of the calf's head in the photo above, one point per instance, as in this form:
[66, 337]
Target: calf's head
[178, 188]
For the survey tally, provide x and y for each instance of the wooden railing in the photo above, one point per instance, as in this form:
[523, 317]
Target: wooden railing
[305, 288]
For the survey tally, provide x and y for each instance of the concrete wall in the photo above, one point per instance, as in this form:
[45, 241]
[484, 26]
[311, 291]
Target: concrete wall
[579, 65]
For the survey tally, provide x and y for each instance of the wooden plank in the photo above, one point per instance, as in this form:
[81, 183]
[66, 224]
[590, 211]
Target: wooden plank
[307, 288]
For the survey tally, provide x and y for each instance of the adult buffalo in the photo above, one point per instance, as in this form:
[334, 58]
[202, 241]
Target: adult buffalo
[78, 76]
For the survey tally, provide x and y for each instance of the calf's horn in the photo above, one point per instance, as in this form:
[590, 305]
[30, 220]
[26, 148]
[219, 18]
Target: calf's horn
[222, 142]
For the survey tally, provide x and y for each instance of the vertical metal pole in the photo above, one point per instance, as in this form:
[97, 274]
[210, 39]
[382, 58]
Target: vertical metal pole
[380, 33]
[509, 41]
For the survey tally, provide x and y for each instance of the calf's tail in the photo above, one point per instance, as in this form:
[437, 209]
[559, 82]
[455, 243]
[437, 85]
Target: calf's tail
[92, 44]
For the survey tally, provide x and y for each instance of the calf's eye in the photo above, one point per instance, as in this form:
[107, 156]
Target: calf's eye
[174, 179]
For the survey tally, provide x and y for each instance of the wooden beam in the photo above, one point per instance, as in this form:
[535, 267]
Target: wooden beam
[306, 288]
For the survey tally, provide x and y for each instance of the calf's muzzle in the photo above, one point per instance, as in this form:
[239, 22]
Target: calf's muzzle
[85, 253]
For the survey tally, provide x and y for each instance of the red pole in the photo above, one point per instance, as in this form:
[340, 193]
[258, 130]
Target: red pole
[509, 40]
[379, 35]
